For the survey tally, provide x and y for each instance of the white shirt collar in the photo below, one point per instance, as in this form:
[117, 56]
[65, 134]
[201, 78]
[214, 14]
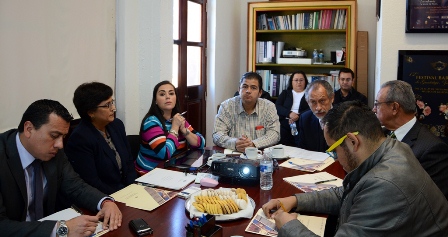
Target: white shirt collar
[25, 157]
[404, 129]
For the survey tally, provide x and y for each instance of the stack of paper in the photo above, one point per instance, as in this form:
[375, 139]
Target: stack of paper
[166, 179]
[314, 182]
[261, 225]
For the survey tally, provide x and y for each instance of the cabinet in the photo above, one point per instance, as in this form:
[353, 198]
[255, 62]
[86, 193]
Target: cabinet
[305, 25]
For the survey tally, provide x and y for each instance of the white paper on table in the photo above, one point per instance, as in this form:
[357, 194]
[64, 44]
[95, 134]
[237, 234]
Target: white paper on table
[295, 152]
[307, 165]
[167, 178]
[70, 213]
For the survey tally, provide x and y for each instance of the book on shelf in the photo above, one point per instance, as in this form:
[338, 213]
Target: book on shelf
[315, 20]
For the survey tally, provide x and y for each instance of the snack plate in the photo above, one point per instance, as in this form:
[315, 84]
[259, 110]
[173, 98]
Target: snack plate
[219, 217]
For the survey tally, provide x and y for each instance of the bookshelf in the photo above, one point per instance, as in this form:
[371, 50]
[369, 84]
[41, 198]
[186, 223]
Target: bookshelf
[326, 25]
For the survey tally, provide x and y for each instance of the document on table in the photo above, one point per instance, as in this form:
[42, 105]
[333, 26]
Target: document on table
[262, 225]
[294, 152]
[142, 197]
[307, 165]
[166, 179]
[70, 213]
[314, 182]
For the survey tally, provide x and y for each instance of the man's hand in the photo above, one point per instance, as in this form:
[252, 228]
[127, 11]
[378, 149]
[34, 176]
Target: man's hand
[111, 215]
[242, 143]
[281, 218]
[82, 225]
[275, 205]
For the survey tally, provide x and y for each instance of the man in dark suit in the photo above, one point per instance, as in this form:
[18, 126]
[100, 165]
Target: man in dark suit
[39, 139]
[319, 96]
[395, 108]
[347, 92]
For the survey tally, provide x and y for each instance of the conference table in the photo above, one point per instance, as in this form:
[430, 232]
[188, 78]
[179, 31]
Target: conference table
[171, 218]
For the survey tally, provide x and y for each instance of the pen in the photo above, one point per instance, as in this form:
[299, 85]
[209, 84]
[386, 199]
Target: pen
[324, 181]
[281, 205]
[302, 167]
[181, 114]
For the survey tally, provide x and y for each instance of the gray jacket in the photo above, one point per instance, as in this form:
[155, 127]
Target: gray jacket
[389, 194]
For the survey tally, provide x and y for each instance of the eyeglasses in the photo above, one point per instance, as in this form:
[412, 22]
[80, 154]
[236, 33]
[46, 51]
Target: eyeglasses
[107, 105]
[375, 105]
[330, 151]
[245, 87]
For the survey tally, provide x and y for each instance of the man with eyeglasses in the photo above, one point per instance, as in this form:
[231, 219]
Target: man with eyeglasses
[319, 96]
[385, 193]
[347, 92]
[395, 107]
[247, 120]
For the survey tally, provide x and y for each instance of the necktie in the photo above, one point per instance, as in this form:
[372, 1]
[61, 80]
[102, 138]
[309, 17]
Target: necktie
[37, 205]
[392, 135]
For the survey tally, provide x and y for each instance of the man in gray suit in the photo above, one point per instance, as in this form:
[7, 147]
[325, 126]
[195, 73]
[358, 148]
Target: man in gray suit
[395, 108]
[38, 140]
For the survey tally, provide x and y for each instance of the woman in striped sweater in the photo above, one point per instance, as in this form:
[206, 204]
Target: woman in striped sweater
[164, 132]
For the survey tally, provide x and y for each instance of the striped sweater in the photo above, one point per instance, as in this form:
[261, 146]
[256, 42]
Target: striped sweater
[158, 145]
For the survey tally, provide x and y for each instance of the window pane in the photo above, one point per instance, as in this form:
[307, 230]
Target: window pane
[193, 65]
[194, 22]
[175, 65]
[176, 19]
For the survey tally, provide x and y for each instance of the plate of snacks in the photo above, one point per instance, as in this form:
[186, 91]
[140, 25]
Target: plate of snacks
[224, 203]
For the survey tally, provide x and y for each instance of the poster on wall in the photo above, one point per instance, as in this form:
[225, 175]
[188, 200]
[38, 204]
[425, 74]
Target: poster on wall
[427, 16]
[427, 72]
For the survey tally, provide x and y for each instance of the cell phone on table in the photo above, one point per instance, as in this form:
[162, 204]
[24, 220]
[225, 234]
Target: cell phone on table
[140, 227]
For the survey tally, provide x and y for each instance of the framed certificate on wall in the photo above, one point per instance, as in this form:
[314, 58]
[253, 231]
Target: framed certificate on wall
[427, 72]
[427, 16]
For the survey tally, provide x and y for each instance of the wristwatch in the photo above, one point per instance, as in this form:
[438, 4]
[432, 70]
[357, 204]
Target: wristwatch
[62, 230]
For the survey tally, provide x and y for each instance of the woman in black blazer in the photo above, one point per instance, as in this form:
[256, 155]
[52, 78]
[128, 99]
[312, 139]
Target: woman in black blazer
[290, 104]
[97, 148]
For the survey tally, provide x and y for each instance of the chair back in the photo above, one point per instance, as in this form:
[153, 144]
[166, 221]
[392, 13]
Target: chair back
[134, 141]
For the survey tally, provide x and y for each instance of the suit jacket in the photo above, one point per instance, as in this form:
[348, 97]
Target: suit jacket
[431, 152]
[352, 95]
[13, 194]
[283, 105]
[94, 160]
[311, 135]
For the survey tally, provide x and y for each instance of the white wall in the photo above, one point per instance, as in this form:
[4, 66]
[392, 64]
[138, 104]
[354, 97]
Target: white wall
[144, 56]
[48, 48]
[391, 37]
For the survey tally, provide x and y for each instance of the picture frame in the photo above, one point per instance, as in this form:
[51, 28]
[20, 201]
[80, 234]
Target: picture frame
[427, 72]
[426, 16]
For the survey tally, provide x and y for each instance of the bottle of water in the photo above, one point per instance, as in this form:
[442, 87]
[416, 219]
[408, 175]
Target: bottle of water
[321, 56]
[315, 56]
[266, 168]
[294, 131]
